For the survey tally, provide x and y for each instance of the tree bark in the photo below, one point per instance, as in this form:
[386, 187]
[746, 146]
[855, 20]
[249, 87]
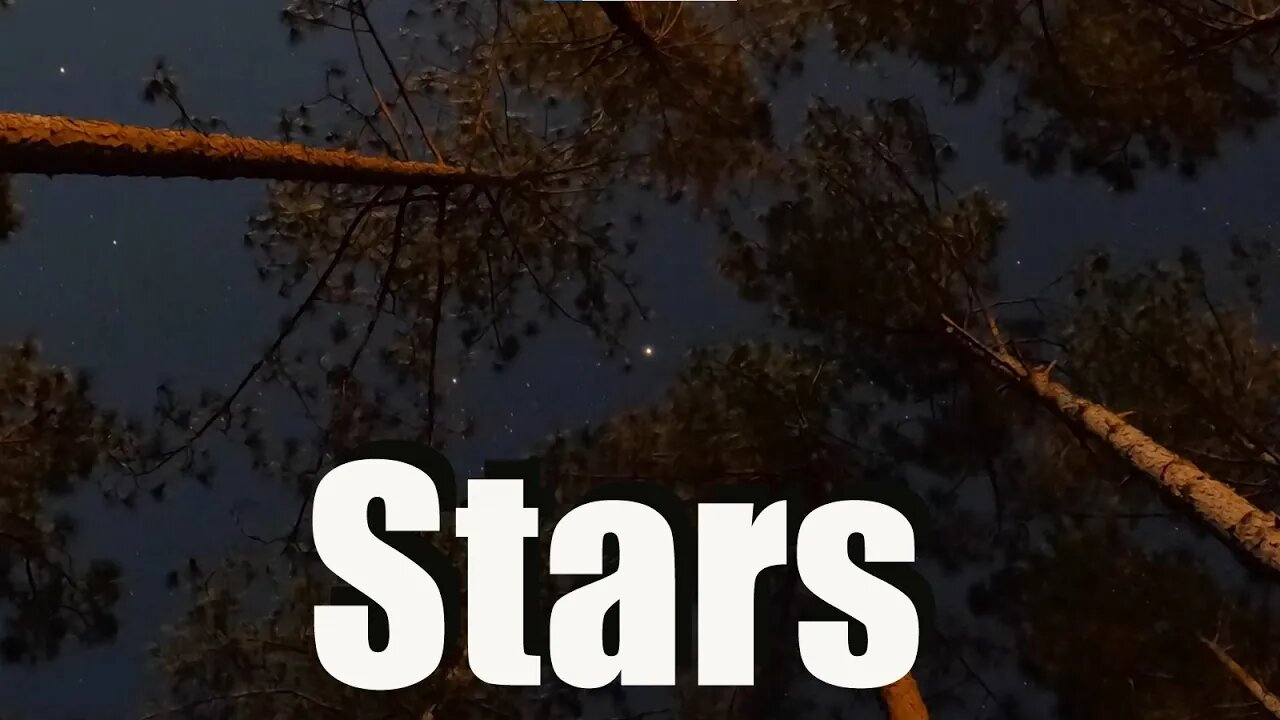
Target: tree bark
[1240, 522]
[49, 145]
[1255, 688]
[624, 18]
[626, 21]
[902, 700]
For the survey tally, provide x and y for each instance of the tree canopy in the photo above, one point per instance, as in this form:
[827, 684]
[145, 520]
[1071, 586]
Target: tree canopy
[488, 174]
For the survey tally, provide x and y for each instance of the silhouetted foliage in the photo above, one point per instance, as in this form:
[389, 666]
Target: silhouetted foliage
[1117, 630]
[51, 439]
[10, 211]
[853, 235]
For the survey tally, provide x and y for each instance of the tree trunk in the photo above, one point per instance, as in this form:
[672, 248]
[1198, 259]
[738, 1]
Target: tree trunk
[1249, 528]
[1255, 688]
[902, 700]
[49, 145]
[626, 21]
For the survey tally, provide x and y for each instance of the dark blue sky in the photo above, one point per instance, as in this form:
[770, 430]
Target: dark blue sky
[141, 281]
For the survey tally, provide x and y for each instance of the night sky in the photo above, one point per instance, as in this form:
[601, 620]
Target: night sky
[141, 281]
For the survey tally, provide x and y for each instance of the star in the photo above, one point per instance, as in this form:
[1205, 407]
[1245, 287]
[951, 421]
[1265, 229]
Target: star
[647, 350]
